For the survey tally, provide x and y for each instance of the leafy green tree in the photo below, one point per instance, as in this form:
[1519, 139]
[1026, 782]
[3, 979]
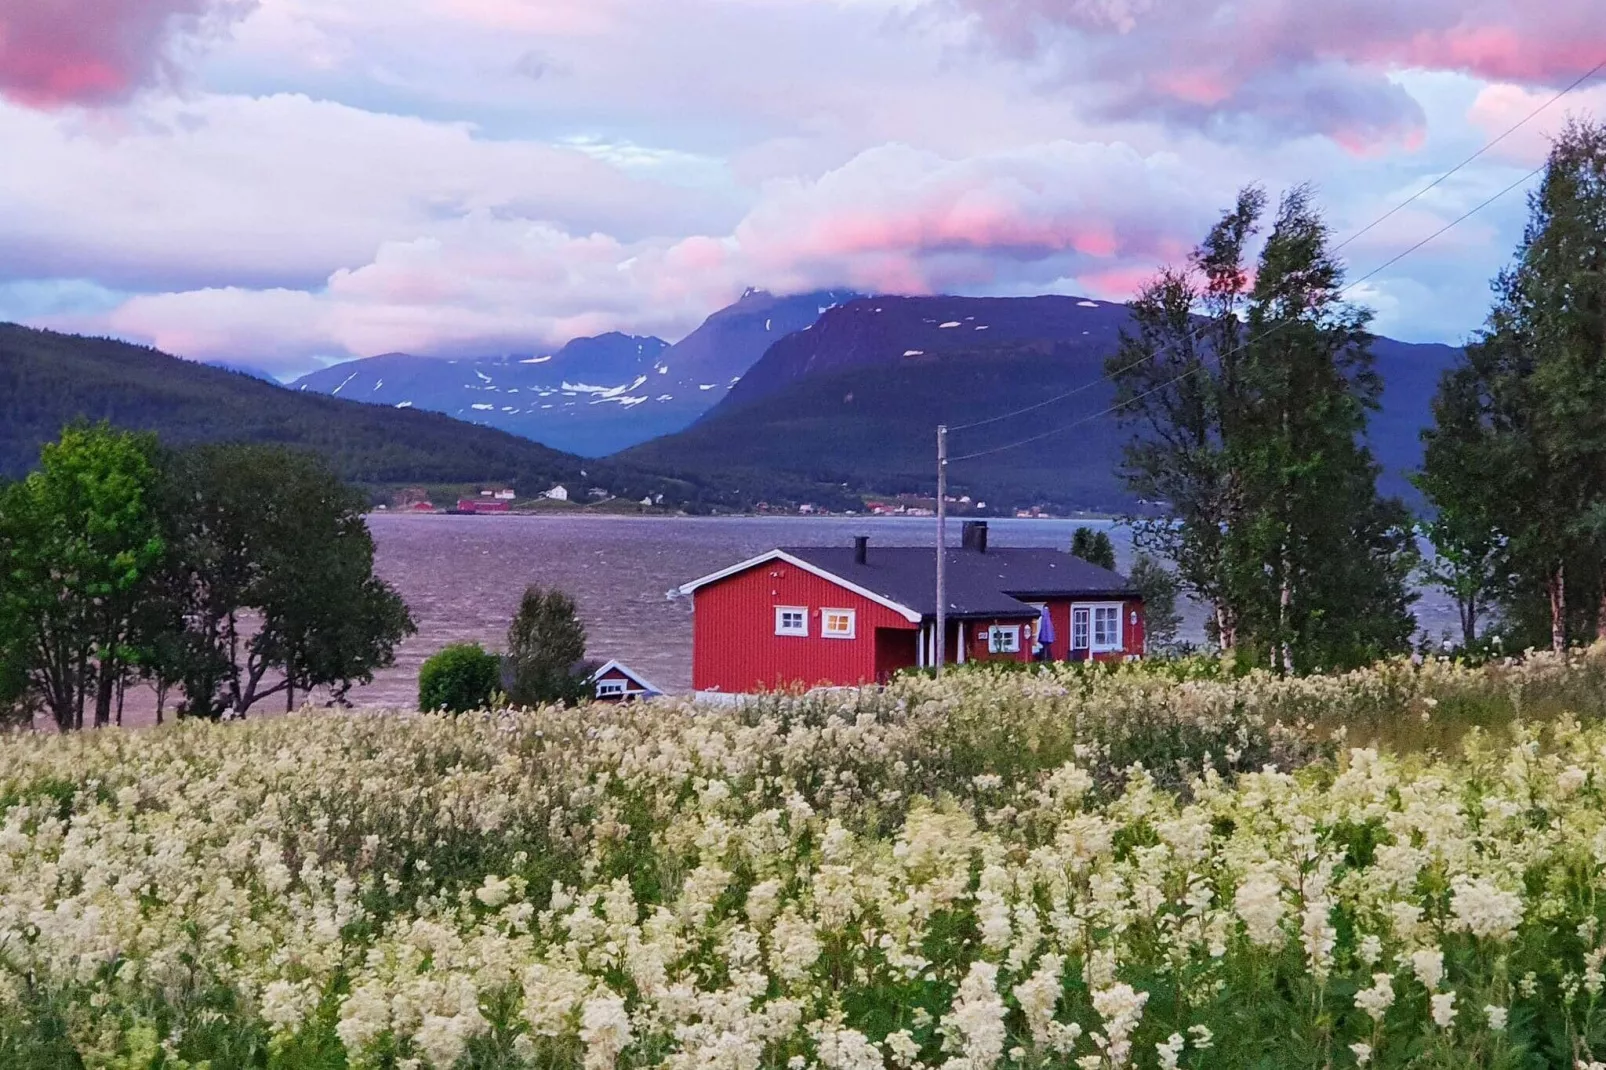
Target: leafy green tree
[271, 573]
[458, 679]
[1158, 585]
[78, 539]
[545, 647]
[1093, 547]
[1177, 378]
[1470, 560]
[1519, 443]
[1259, 447]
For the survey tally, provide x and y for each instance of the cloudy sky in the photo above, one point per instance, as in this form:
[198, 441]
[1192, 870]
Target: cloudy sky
[288, 182]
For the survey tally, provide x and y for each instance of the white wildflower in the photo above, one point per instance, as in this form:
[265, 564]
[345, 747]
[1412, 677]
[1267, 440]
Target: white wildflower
[1376, 1000]
[1428, 965]
[494, 892]
[1484, 910]
[1121, 1008]
[1258, 902]
[1170, 1051]
[605, 1029]
[1443, 1009]
[975, 1025]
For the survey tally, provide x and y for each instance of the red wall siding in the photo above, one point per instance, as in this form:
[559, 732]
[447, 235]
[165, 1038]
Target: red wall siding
[735, 648]
[977, 649]
[1132, 635]
[1059, 610]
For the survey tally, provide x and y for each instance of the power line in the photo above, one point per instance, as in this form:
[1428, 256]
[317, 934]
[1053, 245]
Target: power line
[1524, 121]
[1373, 225]
[1262, 337]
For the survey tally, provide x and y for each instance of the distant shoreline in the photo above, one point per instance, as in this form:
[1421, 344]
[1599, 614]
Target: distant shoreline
[1096, 518]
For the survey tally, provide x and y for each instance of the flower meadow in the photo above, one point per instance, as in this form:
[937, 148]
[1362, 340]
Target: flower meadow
[1148, 868]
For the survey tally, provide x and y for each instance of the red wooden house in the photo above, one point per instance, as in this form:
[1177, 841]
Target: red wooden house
[843, 616]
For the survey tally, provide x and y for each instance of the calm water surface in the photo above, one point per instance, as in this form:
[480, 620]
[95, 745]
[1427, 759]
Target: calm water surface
[463, 577]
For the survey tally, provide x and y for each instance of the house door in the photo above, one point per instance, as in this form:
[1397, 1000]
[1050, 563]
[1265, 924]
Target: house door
[895, 650]
[1081, 633]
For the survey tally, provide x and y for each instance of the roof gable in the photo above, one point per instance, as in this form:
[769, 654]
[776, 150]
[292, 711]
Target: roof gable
[880, 598]
[994, 583]
[631, 674]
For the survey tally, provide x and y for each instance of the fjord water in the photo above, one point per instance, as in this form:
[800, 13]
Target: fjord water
[463, 577]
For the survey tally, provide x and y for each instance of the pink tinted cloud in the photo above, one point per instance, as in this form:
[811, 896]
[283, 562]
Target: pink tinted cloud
[1500, 107]
[60, 52]
[1293, 65]
[893, 220]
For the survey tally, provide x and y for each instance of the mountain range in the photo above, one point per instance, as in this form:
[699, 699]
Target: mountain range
[822, 397]
[594, 396]
[47, 380]
[853, 401]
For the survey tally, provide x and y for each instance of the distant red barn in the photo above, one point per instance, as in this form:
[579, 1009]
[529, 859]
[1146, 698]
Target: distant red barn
[843, 616]
[478, 505]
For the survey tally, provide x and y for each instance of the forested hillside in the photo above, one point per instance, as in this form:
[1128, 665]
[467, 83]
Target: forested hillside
[48, 380]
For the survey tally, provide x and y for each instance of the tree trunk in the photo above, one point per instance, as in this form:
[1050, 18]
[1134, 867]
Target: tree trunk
[1226, 628]
[1600, 611]
[1469, 621]
[105, 691]
[1556, 586]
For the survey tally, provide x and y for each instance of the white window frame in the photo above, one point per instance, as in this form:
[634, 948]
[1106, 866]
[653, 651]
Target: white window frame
[853, 623]
[800, 630]
[1081, 627]
[612, 689]
[1090, 613]
[1000, 631]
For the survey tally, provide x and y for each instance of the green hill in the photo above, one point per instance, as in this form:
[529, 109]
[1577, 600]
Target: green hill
[872, 429]
[48, 380]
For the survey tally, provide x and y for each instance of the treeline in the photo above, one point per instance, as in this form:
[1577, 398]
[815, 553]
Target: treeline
[1251, 384]
[48, 380]
[224, 575]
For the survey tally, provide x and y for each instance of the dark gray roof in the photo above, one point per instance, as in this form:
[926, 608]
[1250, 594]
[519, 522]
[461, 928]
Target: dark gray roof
[995, 583]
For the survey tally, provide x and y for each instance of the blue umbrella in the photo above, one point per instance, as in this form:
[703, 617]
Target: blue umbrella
[1045, 628]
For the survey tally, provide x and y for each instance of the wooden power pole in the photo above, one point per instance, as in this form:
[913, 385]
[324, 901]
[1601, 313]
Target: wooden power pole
[942, 547]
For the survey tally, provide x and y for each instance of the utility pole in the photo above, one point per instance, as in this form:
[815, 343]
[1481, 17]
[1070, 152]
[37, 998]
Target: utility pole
[942, 546]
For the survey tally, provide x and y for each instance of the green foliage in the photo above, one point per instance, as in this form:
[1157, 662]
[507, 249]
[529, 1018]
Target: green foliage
[458, 679]
[1516, 461]
[1158, 586]
[269, 581]
[545, 647]
[1252, 428]
[79, 539]
[232, 572]
[1093, 547]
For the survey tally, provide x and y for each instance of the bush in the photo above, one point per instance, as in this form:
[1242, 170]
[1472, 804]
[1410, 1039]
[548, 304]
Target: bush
[458, 679]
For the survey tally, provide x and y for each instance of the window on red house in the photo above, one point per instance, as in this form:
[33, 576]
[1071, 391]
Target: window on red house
[838, 623]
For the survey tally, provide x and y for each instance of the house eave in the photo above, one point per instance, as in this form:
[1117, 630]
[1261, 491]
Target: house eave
[910, 615]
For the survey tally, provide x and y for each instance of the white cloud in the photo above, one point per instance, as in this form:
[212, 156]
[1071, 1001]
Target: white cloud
[282, 190]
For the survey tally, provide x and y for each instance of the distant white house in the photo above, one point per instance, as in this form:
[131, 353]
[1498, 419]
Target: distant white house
[559, 493]
[506, 494]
